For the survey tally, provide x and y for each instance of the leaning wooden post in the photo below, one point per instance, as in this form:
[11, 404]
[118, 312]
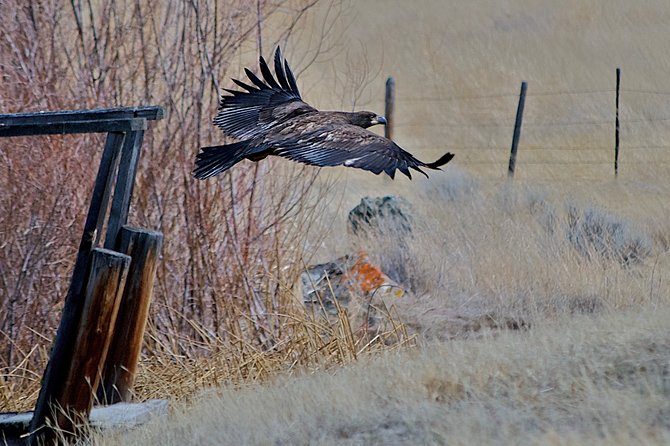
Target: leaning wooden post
[389, 105]
[616, 124]
[62, 349]
[517, 130]
[106, 279]
[119, 373]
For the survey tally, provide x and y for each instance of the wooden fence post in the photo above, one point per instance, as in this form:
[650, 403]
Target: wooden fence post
[517, 130]
[123, 190]
[119, 373]
[616, 124]
[62, 349]
[106, 279]
[389, 106]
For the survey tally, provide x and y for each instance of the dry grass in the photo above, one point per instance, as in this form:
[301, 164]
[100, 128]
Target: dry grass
[581, 358]
[576, 380]
[312, 344]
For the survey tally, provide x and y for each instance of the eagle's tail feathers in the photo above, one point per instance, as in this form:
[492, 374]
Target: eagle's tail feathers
[216, 159]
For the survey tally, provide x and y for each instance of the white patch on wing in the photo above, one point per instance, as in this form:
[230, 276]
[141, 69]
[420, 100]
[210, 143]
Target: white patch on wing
[351, 161]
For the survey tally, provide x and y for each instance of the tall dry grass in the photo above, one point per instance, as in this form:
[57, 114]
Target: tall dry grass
[574, 380]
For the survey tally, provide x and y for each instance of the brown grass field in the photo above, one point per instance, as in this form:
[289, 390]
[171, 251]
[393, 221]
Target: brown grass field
[540, 311]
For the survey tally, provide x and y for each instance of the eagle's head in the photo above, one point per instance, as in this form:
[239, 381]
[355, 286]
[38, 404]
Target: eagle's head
[367, 119]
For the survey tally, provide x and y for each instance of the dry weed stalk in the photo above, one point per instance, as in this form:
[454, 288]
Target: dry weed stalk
[311, 343]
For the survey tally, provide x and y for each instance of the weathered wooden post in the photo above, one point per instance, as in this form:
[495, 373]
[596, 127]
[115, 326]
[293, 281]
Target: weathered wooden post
[119, 373]
[616, 124]
[78, 354]
[123, 189]
[106, 280]
[389, 106]
[63, 348]
[517, 130]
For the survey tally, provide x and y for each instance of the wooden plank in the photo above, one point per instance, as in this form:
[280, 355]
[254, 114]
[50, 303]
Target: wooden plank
[63, 128]
[106, 281]
[45, 117]
[118, 214]
[144, 248]
[107, 191]
[62, 348]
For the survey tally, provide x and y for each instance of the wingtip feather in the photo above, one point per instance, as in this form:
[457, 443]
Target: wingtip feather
[444, 159]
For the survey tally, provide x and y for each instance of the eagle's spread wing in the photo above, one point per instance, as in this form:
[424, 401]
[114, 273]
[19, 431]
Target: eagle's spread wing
[269, 117]
[352, 146]
[247, 114]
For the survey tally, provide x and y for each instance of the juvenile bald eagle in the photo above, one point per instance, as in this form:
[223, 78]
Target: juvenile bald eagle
[270, 118]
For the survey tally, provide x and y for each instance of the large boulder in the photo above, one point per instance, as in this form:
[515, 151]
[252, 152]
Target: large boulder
[389, 214]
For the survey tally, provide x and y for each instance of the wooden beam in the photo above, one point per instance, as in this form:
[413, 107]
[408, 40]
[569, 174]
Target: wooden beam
[118, 214]
[74, 396]
[64, 128]
[67, 116]
[124, 352]
[61, 352]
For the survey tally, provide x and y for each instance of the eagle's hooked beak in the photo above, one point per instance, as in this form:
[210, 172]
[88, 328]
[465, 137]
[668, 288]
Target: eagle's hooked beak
[379, 120]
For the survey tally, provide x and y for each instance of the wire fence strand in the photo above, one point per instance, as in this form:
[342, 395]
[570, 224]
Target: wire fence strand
[636, 121]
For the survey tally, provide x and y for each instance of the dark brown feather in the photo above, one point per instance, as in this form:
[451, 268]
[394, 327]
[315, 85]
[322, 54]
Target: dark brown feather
[270, 118]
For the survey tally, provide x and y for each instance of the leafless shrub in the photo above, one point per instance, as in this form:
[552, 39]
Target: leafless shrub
[232, 245]
[594, 232]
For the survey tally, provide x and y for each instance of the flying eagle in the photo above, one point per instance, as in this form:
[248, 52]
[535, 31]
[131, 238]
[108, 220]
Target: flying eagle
[270, 118]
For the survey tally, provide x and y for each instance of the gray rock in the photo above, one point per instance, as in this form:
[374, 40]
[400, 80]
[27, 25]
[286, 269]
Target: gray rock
[389, 214]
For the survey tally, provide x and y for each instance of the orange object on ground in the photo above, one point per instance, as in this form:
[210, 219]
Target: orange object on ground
[366, 276]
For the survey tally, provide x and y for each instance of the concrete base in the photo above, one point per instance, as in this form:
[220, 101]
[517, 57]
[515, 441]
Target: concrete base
[14, 426]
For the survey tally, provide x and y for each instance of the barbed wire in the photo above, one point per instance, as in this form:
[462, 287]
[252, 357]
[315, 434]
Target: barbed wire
[552, 163]
[532, 124]
[529, 94]
[545, 148]
[629, 90]
[568, 92]
[605, 123]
